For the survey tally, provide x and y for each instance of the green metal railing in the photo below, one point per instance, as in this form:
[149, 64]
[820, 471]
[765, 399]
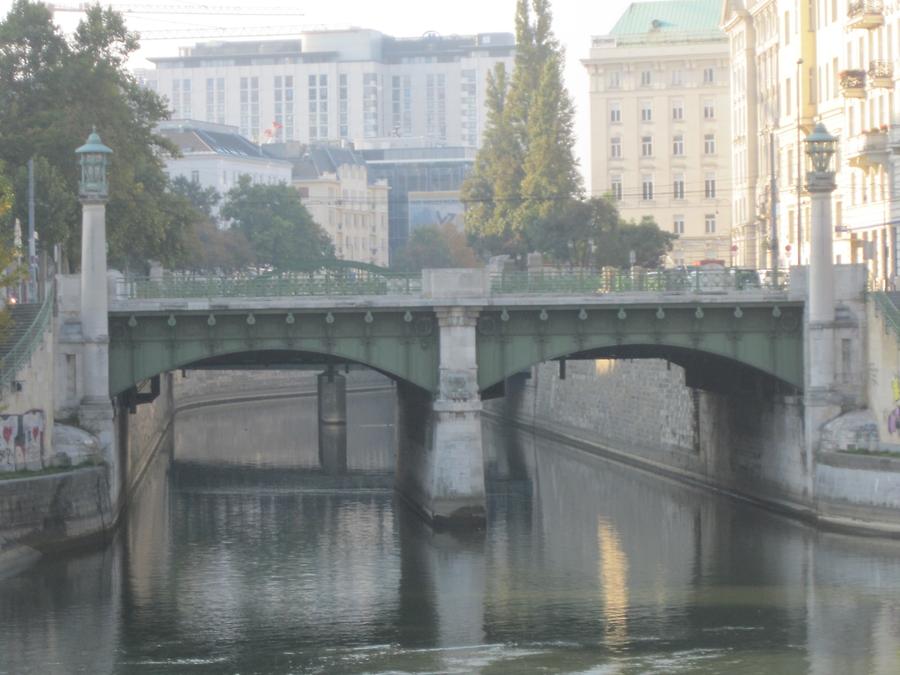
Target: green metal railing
[322, 283]
[625, 281]
[888, 310]
[11, 362]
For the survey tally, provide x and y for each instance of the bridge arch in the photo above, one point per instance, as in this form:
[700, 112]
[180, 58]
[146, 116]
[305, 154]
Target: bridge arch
[715, 344]
[401, 344]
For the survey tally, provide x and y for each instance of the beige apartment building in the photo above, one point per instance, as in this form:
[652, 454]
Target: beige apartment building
[795, 64]
[336, 188]
[661, 123]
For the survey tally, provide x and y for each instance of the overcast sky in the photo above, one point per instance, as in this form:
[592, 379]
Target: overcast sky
[575, 21]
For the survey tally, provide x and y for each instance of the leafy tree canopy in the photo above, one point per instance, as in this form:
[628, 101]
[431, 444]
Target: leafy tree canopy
[204, 199]
[52, 91]
[277, 225]
[433, 248]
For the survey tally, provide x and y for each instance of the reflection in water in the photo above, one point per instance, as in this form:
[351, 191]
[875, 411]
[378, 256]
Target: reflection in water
[586, 566]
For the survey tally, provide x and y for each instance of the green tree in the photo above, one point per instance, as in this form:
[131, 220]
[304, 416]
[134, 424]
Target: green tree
[277, 225]
[51, 93]
[204, 199]
[433, 248]
[525, 174]
[210, 249]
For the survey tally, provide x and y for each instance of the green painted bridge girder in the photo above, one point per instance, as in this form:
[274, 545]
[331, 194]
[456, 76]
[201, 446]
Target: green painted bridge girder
[403, 344]
[766, 337]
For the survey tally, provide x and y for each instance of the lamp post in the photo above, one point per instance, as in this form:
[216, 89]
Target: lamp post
[820, 148]
[93, 191]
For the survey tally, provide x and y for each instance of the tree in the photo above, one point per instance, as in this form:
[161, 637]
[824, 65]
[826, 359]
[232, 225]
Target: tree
[433, 248]
[277, 225]
[212, 250]
[52, 91]
[204, 199]
[525, 173]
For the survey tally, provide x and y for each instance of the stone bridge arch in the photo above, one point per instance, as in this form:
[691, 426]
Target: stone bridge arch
[719, 345]
[402, 344]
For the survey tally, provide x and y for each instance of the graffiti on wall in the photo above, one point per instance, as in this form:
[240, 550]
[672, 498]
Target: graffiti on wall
[893, 421]
[22, 441]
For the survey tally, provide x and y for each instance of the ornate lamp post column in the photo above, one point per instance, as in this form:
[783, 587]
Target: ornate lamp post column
[820, 147]
[96, 410]
[93, 191]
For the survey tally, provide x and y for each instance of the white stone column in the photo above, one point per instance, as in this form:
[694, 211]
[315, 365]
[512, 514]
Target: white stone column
[94, 302]
[821, 283]
[332, 413]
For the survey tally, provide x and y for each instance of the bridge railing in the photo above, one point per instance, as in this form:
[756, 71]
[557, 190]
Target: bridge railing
[325, 283]
[13, 361]
[679, 280]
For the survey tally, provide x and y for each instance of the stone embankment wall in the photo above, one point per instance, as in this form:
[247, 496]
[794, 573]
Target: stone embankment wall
[641, 413]
[26, 413]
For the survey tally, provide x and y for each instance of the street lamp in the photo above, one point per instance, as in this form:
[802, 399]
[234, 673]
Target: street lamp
[820, 148]
[93, 157]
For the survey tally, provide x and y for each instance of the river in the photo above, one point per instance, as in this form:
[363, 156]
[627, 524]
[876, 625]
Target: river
[240, 556]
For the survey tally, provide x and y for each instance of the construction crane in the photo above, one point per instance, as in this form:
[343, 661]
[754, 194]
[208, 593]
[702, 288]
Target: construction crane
[220, 10]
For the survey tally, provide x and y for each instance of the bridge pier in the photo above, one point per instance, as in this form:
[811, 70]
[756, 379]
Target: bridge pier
[440, 461]
[332, 413]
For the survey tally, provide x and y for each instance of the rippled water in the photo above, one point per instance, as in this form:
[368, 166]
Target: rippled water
[586, 567]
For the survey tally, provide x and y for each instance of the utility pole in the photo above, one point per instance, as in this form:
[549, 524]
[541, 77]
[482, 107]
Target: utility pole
[799, 171]
[32, 254]
[773, 208]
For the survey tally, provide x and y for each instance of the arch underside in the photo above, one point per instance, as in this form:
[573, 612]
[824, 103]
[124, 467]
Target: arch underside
[720, 352]
[144, 346]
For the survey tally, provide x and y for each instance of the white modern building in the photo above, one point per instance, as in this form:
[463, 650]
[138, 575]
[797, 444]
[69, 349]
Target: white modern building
[216, 155]
[337, 85]
[661, 123]
[337, 189]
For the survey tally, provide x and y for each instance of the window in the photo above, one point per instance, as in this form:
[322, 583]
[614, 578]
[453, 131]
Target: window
[678, 145]
[678, 186]
[678, 110]
[646, 187]
[710, 223]
[343, 108]
[646, 146]
[195, 176]
[678, 224]
[615, 112]
[615, 187]
[646, 111]
[677, 78]
[709, 144]
[646, 78]
[615, 147]
[615, 80]
[709, 109]
[709, 186]
[709, 75]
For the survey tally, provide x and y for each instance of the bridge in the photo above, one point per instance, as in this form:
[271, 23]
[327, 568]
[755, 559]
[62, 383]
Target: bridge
[450, 338]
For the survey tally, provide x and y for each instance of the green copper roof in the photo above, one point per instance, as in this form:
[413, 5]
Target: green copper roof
[669, 16]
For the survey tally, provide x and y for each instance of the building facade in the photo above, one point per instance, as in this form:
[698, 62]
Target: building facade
[343, 198]
[338, 85]
[832, 61]
[216, 156]
[660, 123]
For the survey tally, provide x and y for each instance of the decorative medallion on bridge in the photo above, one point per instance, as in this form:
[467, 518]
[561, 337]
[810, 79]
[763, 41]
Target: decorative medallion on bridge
[289, 319]
[211, 321]
[622, 315]
[368, 318]
[132, 321]
[408, 317]
[171, 321]
[543, 316]
[699, 313]
[660, 314]
[504, 315]
[329, 318]
[738, 313]
[582, 315]
[251, 320]
[776, 312]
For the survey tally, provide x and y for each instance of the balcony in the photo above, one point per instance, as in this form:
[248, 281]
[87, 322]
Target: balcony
[869, 149]
[881, 75]
[853, 83]
[865, 14]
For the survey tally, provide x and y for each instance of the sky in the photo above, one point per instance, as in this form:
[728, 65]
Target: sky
[574, 22]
